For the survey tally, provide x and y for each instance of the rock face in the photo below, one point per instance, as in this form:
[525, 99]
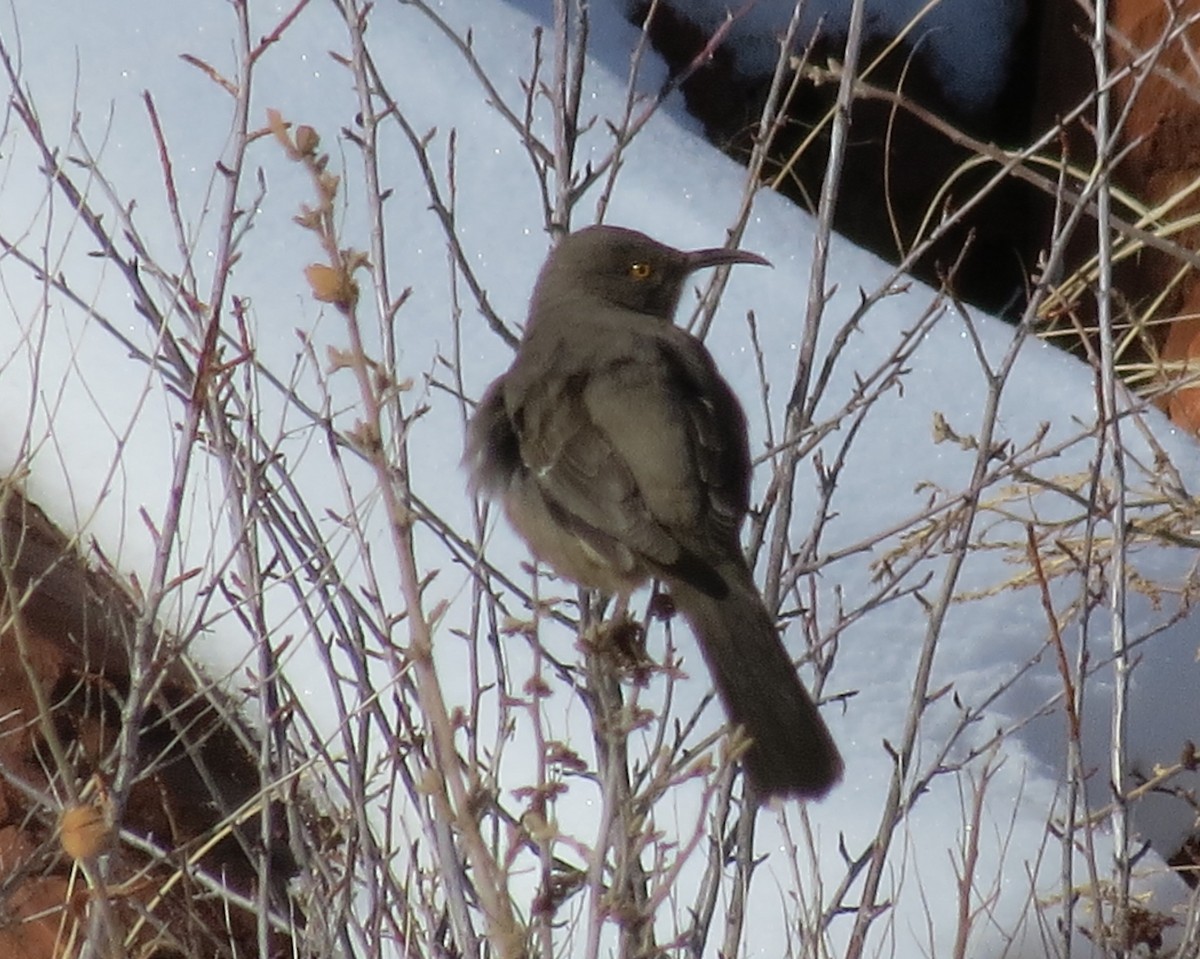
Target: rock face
[65, 628]
[1162, 95]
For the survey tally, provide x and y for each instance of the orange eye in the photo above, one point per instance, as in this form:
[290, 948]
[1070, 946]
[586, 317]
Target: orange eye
[640, 271]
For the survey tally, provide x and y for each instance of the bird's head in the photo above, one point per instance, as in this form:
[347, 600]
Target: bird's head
[620, 267]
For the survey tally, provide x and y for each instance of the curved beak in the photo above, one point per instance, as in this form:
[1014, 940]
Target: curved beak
[721, 256]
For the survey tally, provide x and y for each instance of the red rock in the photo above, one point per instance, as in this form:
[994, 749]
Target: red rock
[1163, 132]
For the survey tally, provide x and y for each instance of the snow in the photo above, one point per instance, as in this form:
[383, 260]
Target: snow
[98, 430]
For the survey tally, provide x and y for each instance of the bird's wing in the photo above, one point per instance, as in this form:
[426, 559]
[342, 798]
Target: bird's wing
[643, 451]
[716, 430]
[582, 475]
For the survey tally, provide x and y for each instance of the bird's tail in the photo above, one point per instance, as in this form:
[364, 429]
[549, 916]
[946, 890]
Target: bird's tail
[791, 752]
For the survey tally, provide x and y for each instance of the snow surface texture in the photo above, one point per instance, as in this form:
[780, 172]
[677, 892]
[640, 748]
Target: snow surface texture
[967, 42]
[96, 427]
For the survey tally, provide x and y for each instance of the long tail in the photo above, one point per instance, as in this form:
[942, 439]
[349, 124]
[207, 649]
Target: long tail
[791, 752]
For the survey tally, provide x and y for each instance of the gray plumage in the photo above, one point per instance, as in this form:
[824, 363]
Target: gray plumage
[620, 454]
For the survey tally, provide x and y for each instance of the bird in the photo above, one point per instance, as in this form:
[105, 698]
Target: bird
[621, 455]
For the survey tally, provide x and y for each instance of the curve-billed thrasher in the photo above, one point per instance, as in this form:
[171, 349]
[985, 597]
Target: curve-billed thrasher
[620, 454]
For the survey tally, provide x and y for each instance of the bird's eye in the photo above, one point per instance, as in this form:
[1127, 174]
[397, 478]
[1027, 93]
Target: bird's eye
[640, 270]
